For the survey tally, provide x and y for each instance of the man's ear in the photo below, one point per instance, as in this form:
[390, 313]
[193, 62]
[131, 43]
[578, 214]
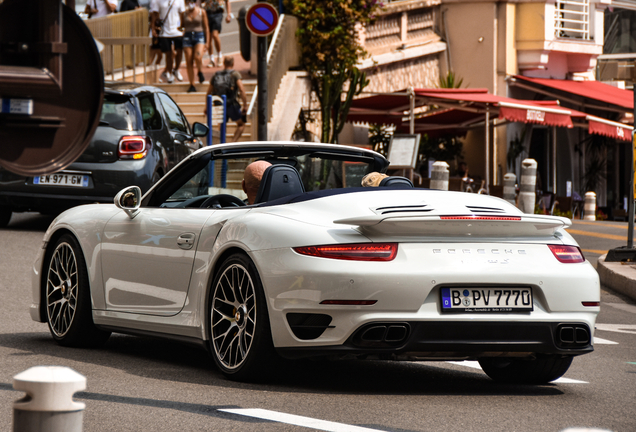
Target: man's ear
[243, 186]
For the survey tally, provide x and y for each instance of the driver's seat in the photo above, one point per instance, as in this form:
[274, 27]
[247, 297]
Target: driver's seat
[279, 181]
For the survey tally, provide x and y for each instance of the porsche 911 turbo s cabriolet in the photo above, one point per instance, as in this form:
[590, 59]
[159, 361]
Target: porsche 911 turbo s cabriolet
[319, 267]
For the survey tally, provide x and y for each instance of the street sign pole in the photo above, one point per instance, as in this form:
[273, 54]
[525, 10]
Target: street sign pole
[261, 19]
[261, 81]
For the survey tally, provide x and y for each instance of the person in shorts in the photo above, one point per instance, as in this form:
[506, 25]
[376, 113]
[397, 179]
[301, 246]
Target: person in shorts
[195, 32]
[169, 33]
[215, 10]
[236, 111]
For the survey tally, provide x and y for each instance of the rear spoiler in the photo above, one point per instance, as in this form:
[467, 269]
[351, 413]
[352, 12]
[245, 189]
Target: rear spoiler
[492, 226]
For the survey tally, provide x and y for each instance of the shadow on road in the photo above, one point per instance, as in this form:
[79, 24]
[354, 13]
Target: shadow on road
[171, 361]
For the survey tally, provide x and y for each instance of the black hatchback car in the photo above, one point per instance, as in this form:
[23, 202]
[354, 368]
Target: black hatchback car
[142, 134]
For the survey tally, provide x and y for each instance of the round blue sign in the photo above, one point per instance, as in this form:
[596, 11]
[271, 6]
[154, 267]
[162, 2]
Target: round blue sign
[261, 19]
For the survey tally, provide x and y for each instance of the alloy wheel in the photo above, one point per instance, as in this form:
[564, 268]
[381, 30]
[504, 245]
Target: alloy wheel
[233, 316]
[61, 289]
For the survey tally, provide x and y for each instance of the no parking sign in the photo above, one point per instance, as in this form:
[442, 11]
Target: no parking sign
[261, 19]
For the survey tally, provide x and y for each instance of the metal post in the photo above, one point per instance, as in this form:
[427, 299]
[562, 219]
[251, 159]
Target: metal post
[224, 123]
[439, 176]
[261, 81]
[411, 93]
[632, 194]
[210, 107]
[527, 193]
[487, 147]
[48, 405]
[554, 163]
[509, 193]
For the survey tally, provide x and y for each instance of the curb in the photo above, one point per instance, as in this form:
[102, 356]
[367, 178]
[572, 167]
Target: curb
[620, 277]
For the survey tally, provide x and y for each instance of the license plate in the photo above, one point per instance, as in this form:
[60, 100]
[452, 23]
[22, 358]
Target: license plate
[487, 299]
[75, 180]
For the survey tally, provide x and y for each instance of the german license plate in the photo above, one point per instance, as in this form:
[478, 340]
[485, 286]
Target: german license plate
[487, 299]
[74, 180]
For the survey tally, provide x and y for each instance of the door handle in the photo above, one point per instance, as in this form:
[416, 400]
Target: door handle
[186, 241]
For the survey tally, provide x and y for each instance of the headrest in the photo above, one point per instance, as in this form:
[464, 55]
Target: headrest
[396, 182]
[279, 181]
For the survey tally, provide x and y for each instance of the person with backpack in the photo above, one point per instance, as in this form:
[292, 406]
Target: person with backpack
[229, 82]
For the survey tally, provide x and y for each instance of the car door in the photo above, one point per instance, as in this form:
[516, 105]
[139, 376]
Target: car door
[147, 261]
[182, 138]
[156, 128]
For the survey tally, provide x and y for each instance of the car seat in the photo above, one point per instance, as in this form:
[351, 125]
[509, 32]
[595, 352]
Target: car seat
[279, 181]
[396, 182]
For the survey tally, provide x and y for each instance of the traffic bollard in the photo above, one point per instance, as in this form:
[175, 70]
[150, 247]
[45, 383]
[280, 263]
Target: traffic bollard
[509, 193]
[439, 176]
[527, 193]
[48, 405]
[589, 208]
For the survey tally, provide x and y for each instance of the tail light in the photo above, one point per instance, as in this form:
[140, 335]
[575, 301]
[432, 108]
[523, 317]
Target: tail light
[475, 217]
[133, 147]
[567, 254]
[352, 252]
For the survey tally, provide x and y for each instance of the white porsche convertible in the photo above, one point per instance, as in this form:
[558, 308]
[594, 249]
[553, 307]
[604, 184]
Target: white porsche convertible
[319, 267]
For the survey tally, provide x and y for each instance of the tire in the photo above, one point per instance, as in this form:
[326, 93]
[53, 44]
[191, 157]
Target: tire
[67, 297]
[540, 370]
[240, 335]
[5, 216]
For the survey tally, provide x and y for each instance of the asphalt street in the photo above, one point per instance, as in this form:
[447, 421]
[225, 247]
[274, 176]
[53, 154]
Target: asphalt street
[146, 384]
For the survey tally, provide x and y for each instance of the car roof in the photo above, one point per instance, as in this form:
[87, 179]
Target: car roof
[128, 88]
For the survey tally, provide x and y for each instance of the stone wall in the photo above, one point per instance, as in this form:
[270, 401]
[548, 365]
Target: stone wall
[421, 72]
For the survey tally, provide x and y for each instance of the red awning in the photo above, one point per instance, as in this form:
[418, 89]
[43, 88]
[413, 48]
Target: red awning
[608, 128]
[594, 90]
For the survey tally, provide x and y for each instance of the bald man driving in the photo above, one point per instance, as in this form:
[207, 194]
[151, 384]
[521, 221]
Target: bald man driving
[252, 179]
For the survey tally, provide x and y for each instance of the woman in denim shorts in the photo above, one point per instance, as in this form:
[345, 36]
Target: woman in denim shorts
[195, 33]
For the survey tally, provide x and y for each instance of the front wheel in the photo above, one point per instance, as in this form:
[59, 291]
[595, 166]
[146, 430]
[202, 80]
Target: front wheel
[540, 370]
[67, 297]
[240, 335]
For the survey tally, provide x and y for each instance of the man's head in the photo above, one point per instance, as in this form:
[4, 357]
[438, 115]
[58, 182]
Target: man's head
[252, 178]
[228, 62]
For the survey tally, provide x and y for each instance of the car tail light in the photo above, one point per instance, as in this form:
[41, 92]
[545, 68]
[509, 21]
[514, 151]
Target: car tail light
[567, 254]
[133, 147]
[475, 217]
[354, 252]
[591, 303]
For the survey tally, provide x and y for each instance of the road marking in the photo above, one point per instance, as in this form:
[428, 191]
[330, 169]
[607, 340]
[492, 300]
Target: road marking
[618, 328]
[605, 225]
[296, 420]
[475, 365]
[594, 251]
[600, 341]
[599, 235]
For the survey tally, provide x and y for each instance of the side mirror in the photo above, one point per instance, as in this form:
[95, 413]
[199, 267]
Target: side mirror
[199, 129]
[129, 200]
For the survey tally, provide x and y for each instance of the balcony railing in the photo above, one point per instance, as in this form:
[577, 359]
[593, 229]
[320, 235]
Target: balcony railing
[572, 19]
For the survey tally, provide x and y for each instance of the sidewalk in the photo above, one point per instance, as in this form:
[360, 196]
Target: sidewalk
[240, 65]
[620, 277]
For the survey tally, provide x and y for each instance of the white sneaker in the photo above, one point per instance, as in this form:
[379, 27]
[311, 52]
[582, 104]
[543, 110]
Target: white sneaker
[177, 75]
[166, 77]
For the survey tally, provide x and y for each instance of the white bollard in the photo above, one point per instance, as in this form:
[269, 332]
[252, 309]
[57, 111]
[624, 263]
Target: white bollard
[509, 192]
[589, 208]
[527, 193]
[48, 404]
[439, 176]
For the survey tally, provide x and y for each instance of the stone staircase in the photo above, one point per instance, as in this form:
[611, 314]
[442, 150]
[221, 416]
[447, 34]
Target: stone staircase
[192, 105]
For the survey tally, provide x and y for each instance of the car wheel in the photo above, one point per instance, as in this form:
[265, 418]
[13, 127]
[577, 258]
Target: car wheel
[240, 335]
[5, 216]
[67, 296]
[540, 370]
[156, 177]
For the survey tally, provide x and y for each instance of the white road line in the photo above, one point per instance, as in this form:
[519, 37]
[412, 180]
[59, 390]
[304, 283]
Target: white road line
[296, 420]
[618, 328]
[622, 306]
[601, 341]
[475, 365]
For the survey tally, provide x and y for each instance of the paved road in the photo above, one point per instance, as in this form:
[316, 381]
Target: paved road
[145, 384]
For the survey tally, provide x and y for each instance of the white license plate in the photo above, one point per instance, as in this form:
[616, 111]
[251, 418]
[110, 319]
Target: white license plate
[487, 299]
[75, 180]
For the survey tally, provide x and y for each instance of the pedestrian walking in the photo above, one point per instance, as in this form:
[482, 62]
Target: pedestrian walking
[229, 82]
[214, 9]
[166, 25]
[195, 33]
[128, 5]
[99, 8]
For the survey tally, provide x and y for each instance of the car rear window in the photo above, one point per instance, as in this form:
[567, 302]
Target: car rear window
[119, 113]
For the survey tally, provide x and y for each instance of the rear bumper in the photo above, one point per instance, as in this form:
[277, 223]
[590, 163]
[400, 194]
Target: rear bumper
[456, 340]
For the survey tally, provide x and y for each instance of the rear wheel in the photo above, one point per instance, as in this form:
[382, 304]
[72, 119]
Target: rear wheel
[67, 297]
[540, 370]
[240, 335]
[5, 216]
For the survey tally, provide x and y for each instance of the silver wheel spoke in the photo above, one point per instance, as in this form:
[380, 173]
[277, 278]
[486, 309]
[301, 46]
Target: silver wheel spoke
[61, 289]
